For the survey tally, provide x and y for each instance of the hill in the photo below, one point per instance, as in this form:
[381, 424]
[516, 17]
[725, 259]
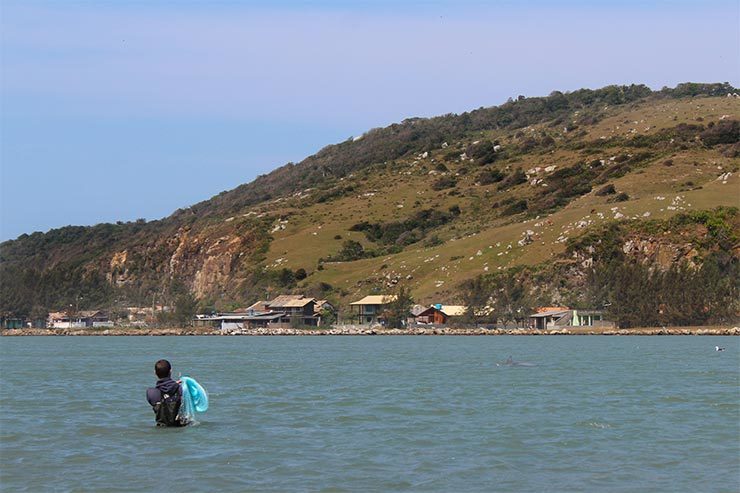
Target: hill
[431, 204]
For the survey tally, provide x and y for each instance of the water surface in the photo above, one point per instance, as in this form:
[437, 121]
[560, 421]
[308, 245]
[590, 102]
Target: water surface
[375, 414]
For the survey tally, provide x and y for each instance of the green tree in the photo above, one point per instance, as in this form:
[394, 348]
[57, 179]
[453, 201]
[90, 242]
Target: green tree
[185, 307]
[476, 294]
[511, 300]
[351, 250]
[633, 300]
[328, 317]
[397, 311]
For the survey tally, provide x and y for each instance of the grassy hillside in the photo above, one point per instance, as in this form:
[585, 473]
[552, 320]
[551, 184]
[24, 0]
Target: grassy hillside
[427, 203]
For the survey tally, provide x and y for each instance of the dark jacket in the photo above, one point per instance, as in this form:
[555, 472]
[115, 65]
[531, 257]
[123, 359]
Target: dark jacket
[164, 386]
[155, 395]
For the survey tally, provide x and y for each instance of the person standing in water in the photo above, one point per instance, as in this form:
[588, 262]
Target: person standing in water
[166, 397]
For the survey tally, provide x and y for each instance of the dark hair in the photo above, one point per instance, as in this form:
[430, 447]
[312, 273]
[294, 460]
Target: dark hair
[162, 368]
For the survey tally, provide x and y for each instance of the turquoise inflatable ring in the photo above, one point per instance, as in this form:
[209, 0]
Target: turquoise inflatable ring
[196, 393]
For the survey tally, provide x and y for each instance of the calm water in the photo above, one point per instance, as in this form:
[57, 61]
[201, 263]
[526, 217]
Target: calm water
[375, 414]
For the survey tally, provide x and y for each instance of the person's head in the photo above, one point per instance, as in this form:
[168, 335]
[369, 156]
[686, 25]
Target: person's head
[162, 368]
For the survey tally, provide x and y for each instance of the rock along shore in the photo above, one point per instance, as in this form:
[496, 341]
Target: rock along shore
[375, 331]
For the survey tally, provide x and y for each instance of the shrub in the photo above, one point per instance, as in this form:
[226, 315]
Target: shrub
[547, 141]
[515, 208]
[527, 144]
[622, 197]
[489, 176]
[433, 241]
[483, 152]
[575, 190]
[408, 231]
[516, 178]
[351, 250]
[725, 132]
[444, 183]
[607, 190]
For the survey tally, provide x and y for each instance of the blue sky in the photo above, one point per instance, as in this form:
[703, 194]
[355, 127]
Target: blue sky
[131, 109]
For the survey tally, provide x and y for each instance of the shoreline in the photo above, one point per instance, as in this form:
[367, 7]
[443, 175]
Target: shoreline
[374, 331]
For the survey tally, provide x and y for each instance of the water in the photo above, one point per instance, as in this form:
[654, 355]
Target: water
[335, 414]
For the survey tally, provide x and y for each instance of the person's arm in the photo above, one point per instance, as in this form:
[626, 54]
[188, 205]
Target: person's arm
[153, 395]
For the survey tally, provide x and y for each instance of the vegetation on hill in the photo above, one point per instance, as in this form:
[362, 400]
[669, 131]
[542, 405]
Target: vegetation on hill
[614, 268]
[414, 135]
[458, 207]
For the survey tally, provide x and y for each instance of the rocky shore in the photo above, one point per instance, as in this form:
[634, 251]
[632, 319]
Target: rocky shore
[354, 330]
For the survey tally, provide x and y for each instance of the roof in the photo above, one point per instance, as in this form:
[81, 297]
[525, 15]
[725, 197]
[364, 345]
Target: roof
[590, 312]
[93, 314]
[259, 306]
[449, 310]
[376, 299]
[244, 316]
[79, 314]
[418, 309]
[551, 313]
[542, 309]
[454, 310]
[290, 301]
[321, 304]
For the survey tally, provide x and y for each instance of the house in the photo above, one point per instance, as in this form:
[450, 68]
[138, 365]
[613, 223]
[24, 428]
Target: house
[61, 320]
[440, 314]
[244, 320]
[80, 320]
[550, 318]
[12, 322]
[590, 318]
[556, 317]
[96, 318]
[416, 310]
[322, 307]
[299, 309]
[282, 312]
[370, 308]
[257, 308]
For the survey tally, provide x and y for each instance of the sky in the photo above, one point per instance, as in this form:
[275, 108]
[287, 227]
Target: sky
[132, 109]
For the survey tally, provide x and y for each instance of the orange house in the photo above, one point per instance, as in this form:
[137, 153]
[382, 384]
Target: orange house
[439, 314]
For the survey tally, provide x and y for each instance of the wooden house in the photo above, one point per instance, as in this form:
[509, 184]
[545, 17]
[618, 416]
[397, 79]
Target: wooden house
[440, 314]
[369, 310]
[299, 309]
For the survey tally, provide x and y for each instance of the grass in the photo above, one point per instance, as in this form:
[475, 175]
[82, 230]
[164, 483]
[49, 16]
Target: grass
[402, 189]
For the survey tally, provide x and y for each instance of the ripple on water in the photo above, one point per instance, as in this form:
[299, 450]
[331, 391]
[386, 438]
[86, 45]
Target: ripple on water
[384, 414]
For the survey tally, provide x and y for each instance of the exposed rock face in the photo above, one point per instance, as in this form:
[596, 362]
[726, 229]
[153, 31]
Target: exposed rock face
[216, 267]
[207, 261]
[118, 273]
[661, 253]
